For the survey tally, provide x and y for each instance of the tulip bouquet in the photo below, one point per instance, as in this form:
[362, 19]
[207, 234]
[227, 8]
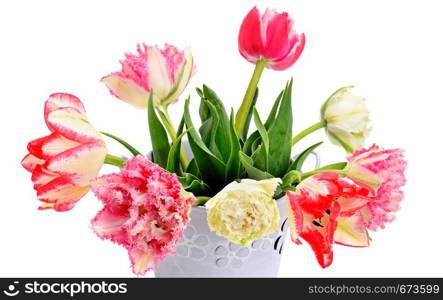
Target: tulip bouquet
[235, 172]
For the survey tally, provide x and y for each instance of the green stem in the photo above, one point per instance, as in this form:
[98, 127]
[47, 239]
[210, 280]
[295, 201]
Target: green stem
[164, 115]
[307, 131]
[336, 166]
[321, 170]
[242, 113]
[114, 160]
[201, 200]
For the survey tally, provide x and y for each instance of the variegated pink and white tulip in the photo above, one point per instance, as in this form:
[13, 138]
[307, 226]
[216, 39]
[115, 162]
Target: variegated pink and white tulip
[165, 72]
[63, 162]
[270, 37]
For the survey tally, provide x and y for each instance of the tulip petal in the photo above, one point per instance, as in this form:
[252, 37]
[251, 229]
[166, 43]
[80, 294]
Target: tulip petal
[351, 231]
[41, 177]
[51, 145]
[277, 33]
[159, 75]
[108, 225]
[291, 58]
[30, 162]
[185, 73]
[250, 36]
[79, 164]
[295, 218]
[72, 125]
[125, 89]
[61, 193]
[61, 100]
[141, 260]
[320, 238]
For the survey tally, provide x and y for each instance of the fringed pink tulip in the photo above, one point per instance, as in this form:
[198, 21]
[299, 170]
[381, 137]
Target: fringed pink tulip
[388, 167]
[166, 72]
[145, 210]
[270, 37]
[325, 209]
[63, 162]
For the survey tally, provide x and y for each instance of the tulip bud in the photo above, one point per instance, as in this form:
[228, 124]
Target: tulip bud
[346, 119]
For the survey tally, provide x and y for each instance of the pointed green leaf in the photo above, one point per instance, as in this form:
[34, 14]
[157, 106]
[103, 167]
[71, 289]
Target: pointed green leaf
[247, 147]
[223, 138]
[209, 129]
[193, 168]
[262, 161]
[280, 136]
[252, 171]
[173, 165]
[210, 166]
[131, 149]
[195, 185]
[298, 162]
[159, 137]
[233, 164]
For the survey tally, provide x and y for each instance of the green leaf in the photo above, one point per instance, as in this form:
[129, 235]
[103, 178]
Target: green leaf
[211, 168]
[131, 149]
[159, 137]
[173, 165]
[233, 164]
[209, 129]
[271, 118]
[203, 111]
[245, 130]
[298, 162]
[193, 168]
[223, 138]
[194, 185]
[280, 136]
[248, 146]
[262, 161]
[289, 179]
[252, 171]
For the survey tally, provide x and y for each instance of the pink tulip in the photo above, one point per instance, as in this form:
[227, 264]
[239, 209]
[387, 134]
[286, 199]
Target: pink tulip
[388, 167]
[165, 71]
[270, 37]
[145, 210]
[63, 162]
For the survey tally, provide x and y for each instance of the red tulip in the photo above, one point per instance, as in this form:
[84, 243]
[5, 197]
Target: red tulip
[270, 37]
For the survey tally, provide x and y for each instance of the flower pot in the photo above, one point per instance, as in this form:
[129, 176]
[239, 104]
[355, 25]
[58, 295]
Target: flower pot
[202, 253]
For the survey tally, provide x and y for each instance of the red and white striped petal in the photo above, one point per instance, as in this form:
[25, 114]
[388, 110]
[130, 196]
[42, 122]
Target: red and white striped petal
[51, 145]
[30, 162]
[295, 217]
[79, 164]
[69, 123]
[126, 90]
[40, 177]
[61, 194]
[351, 231]
[61, 100]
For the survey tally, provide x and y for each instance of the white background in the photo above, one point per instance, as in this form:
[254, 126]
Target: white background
[391, 50]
